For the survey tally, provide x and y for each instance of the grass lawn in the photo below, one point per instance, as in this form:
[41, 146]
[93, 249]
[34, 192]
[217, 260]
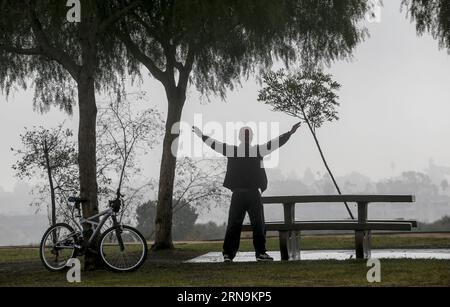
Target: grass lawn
[21, 267]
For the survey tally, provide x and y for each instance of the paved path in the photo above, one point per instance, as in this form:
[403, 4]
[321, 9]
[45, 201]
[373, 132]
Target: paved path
[214, 257]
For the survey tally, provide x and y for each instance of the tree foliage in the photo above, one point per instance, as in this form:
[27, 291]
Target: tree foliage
[409, 182]
[39, 48]
[48, 158]
[308, 95]
[432, 16]
[221, 41]
[57, 141]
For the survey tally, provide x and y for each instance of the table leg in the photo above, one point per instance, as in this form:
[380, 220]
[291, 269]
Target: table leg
[283, 238]
[294, 245]
[363, 237]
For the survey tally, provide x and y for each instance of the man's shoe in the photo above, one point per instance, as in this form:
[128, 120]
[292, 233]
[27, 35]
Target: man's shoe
[227, 259]
[264, 257]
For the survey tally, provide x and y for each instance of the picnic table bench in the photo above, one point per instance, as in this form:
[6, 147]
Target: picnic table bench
[289, 229]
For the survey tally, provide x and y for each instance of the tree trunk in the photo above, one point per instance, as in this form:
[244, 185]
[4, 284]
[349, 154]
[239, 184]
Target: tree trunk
[87, 154]
[87, 130]
[50, 182]
[325, 162]
[163, 221]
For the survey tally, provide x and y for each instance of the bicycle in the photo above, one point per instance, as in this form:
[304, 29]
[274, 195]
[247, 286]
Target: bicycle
[122, 248]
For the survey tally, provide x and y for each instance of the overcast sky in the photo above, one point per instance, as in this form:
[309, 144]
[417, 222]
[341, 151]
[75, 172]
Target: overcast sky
[395, 104]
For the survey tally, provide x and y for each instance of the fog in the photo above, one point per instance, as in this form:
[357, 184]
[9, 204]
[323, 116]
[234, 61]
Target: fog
[395, 103]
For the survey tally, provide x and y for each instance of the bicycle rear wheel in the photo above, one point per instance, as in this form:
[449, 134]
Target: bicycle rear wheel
[123, 248]
[57, 247]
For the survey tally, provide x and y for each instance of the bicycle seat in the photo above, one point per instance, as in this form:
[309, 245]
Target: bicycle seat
[77, 200]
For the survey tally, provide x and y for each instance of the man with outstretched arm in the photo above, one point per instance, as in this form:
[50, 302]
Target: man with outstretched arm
[246, 178]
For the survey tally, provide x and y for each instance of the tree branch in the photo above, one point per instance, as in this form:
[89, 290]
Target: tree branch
[142, 57]
[23, 51]
[150, 31]
[56, 54]
[187, 68]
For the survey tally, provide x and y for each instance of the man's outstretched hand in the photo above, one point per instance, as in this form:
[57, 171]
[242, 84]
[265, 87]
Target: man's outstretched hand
[295, 127]
[197, 131]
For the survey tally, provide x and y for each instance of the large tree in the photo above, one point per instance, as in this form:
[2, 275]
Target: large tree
[213, 44]
[432, 16]
[65, 62]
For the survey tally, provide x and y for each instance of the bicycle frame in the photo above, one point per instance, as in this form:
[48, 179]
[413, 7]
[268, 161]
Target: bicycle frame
[97, 226]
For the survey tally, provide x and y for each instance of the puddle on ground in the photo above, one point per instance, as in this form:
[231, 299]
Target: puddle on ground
[214, 257]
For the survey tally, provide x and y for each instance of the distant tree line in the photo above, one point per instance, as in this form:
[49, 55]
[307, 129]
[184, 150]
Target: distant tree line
[432, 198]
[184, 227]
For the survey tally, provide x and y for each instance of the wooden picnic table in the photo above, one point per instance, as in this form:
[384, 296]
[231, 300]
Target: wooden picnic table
[289, 229]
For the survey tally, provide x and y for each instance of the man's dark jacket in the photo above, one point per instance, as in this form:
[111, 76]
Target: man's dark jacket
[245, 169]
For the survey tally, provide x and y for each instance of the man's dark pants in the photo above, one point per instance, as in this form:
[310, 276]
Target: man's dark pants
[242, 202]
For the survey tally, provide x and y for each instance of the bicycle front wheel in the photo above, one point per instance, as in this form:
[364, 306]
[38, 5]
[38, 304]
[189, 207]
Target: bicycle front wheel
[123, 248]
[57, 247]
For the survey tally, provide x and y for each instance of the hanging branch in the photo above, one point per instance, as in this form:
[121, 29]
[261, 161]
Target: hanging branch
[309, 96]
